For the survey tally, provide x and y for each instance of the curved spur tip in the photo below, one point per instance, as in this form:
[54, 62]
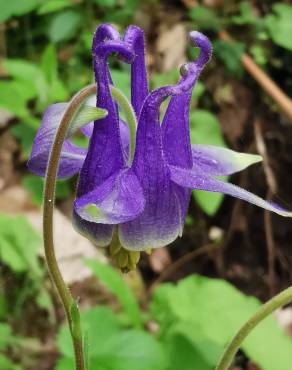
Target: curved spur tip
[201, 41]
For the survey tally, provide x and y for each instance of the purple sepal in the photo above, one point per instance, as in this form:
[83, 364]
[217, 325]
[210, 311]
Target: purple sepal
[72, 157]
[99, 234]
[217, 161]
[119, 199]
[199, 180]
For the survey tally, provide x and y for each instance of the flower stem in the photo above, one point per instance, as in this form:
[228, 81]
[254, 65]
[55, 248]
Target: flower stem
[276, 302]
[70, 306]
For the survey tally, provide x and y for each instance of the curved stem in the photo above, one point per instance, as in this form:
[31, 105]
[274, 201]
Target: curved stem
[48, 212]
[276, 302]
[70, 306]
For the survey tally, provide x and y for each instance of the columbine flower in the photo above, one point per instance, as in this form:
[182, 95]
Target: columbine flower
[139, 183]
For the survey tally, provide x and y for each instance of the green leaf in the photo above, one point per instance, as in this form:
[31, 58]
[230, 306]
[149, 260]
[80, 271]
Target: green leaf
[64, 26]
[180, 349]
[246, 15]
[16, 7]
[7, 10]
[210, 311]
[208, 201]
[259, 54]
[110, 347]
[279, 25]
[85, 115]
[23, 7]
[131, 349]
[51, 6]
[55, 88]
[7, 364]
[25, 134]
[205, 18]
[29, 79]
[99, 323]
[35, 185]
[43, 299]
[65, 363]
[105, 3]
[19, 244]
[198, 90]
[5, 335]
[13, 98]
[28, 76]
[49, 62]
[230, 53]
[19, 68]
[205, 129]
[167, 78]
[115, 283]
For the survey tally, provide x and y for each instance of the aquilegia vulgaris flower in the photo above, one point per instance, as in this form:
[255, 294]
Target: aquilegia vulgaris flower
[135, 184]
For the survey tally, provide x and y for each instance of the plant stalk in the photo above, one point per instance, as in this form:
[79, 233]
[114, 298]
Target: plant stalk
[70, 306]
[266, 309]
[48, 214]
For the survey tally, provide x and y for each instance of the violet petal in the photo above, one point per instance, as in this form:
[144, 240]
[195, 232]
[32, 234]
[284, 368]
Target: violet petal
[105, 156]
[72, 157]
[217, 161]
[119, 199]
[99, 234]
[198, 180]
[139, 84]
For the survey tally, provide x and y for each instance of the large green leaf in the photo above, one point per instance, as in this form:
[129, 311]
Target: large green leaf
[131, 349]
[210, 311]
[279, 25]
[110, 347]
[181, 349]
[98, 323]
[205, 129]
[115, 283]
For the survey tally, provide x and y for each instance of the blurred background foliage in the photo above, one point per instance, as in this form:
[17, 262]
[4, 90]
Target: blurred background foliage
[45, 57]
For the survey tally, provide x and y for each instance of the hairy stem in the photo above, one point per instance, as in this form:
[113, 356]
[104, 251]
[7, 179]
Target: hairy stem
[276, 302]
[48, 212]
[70, 306]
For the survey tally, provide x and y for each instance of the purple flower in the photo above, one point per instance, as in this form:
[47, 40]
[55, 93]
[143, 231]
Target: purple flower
[139, 183]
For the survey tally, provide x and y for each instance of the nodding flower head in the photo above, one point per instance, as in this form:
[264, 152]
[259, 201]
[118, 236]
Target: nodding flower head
[136, 176]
